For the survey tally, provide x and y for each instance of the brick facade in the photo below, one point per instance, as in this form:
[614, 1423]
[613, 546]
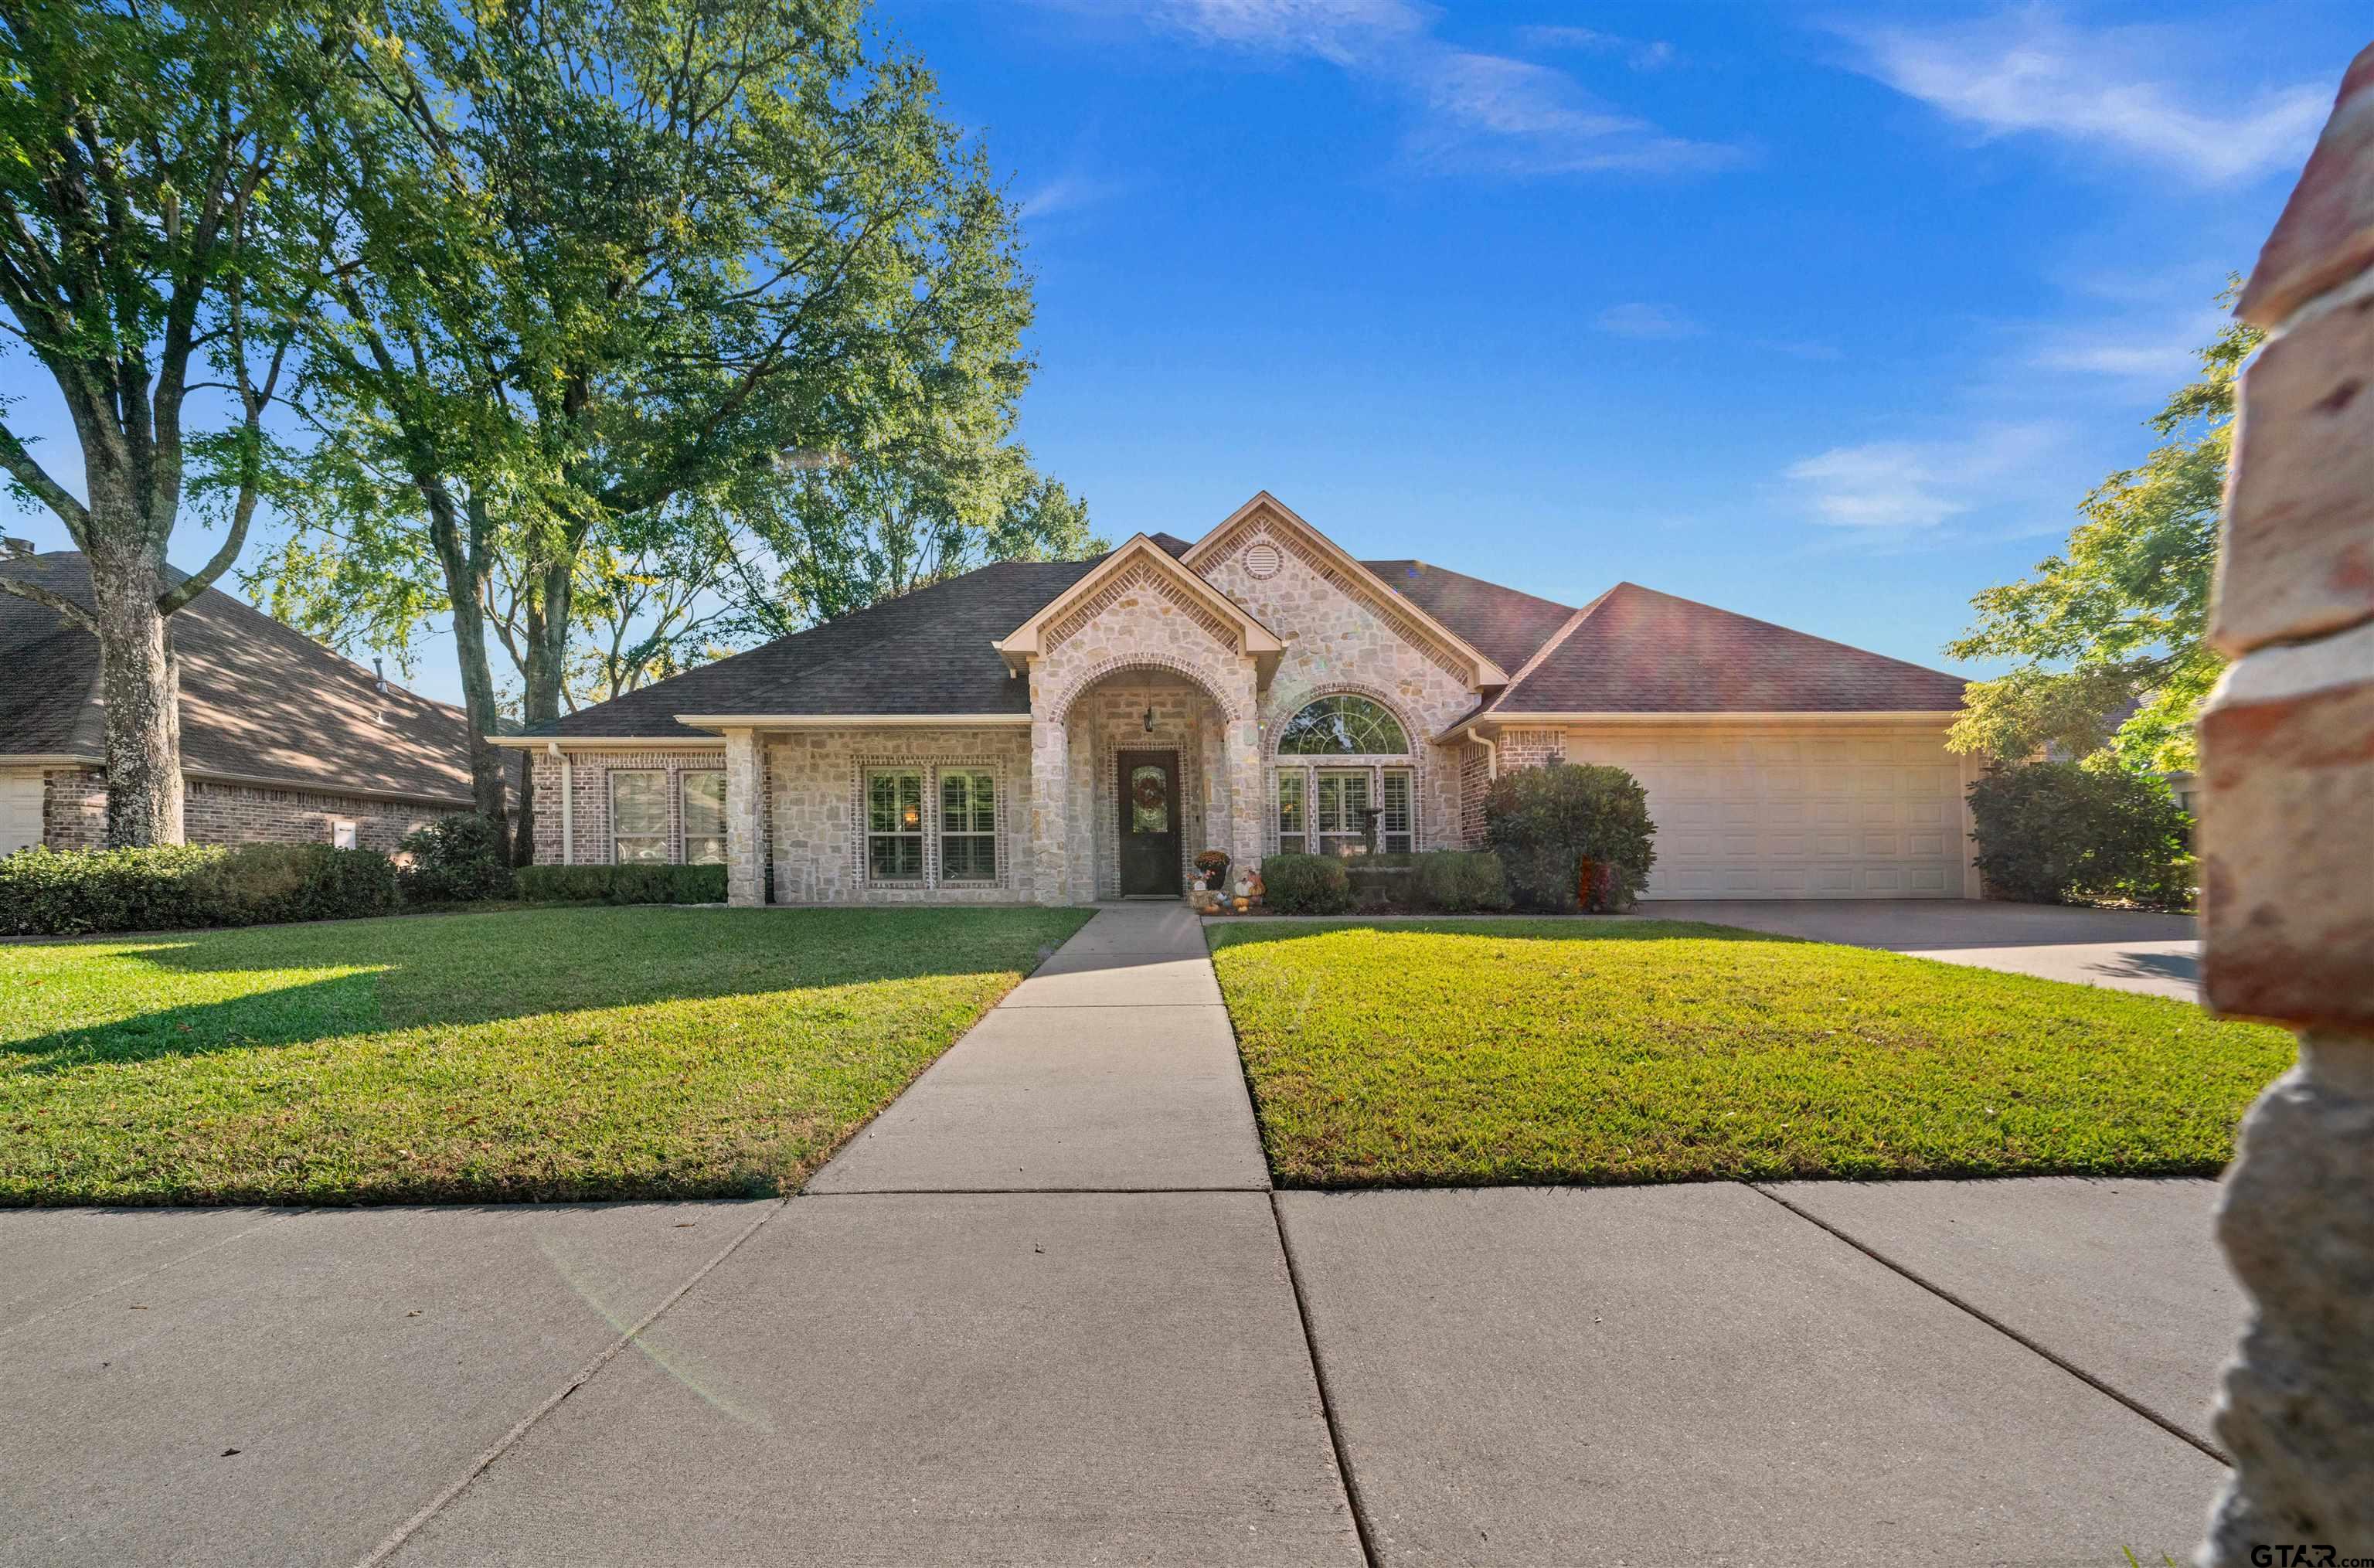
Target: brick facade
[587, 792]
[73, 813]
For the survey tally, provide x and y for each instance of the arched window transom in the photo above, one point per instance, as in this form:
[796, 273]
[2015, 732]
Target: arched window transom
[1343, 726]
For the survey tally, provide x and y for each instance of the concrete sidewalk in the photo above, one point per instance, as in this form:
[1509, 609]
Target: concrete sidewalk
[928, 1359]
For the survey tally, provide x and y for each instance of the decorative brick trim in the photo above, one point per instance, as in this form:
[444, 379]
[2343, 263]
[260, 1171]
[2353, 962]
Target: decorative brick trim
[1418, 636]
[1062, 708]
[1140, 579]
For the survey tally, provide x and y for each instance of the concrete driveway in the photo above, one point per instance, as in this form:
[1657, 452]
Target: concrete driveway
[2124, 949]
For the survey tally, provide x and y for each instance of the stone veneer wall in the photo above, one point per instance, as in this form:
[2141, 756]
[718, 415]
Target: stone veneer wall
[1144, 626]
[589, 787]
[815, 800]
[73, 813]
[2286, 844]
[1339, 639]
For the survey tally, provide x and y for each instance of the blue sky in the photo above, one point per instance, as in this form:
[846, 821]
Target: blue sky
[1826, 315]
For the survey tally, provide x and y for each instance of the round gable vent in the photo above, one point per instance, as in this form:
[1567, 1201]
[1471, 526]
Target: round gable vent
[1263, 558]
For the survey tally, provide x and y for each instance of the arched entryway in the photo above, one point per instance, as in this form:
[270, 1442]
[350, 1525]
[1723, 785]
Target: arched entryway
[1147, 780]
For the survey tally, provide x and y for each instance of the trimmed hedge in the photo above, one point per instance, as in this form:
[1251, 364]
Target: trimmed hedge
[44, 893]
[1306, 884]
[1544, 822]
[1458, 881]
[622, 884]
[456, 859]
[2066, 833]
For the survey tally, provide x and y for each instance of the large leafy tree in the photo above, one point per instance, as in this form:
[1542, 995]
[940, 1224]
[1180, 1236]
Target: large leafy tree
[2113, 626]
[599, 261]
[888, 522]
[154, 262]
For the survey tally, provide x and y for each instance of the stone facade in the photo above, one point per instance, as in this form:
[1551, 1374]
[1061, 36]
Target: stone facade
[73, 813]
[2287, 866]
[815, 782]
[1341, 637]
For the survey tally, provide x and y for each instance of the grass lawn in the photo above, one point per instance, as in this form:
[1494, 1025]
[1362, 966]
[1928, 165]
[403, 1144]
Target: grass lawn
[544, 1054]
[1648, 1051]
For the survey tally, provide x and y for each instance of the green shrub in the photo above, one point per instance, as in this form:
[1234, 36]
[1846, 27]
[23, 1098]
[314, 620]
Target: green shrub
[2066, 833]
[1458, 881]
[623, 884]
[174, 886]
[1544, 822]
[456, 859]
[1306, 884]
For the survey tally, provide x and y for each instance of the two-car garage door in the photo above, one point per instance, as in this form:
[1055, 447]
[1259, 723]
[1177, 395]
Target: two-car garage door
[1768, 813]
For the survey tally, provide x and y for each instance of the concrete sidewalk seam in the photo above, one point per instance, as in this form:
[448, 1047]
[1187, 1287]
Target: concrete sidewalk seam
[2171, 1427]
[151, 1273]
[1327, 1400]
[488, 1455]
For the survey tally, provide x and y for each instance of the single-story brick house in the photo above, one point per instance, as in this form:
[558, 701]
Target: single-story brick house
[1065, 731]
[282, 740]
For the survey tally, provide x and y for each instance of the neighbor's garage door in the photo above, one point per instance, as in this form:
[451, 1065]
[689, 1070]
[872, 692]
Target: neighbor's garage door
[1765, 814]
[21, 811]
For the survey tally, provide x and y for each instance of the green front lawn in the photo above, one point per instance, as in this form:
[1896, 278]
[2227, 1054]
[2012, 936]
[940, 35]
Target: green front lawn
[1647, 1051]
[544, 1053]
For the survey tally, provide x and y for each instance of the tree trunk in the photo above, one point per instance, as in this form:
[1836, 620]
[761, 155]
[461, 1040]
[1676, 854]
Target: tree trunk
[140, 683]
[489, 766]
[545, 645]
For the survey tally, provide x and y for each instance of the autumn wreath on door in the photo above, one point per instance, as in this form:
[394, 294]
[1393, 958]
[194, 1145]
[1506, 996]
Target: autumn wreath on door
[1148, 789]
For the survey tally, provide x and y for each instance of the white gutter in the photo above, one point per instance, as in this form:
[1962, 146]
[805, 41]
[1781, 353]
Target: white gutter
[609, 742]
[1491, 754]
[568, 804]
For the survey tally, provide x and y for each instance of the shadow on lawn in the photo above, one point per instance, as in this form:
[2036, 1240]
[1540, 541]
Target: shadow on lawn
[482, 969]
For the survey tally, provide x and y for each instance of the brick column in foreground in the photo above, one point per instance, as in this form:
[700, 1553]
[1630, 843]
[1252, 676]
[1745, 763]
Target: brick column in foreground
[2287, 865]
[745, 821]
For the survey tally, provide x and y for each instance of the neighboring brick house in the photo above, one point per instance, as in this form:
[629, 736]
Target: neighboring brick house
[1058, 732]
[282, 740]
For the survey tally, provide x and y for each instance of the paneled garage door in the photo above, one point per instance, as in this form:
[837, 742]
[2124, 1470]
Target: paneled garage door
[1763, 814]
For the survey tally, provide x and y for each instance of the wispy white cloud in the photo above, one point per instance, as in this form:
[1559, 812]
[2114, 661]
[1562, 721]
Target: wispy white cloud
[1641, 54]
[1068, 192]
[2131, 90]
[1640, 319]
[1470, 110]
[1890, 488]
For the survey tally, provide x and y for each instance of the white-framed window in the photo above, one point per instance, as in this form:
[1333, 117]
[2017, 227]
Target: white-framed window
[1293, 813]
[639, 817]
[1397, 829]
[702, 792]
[894, 825]
[1343, 796]
[345, 834]
[968, 825]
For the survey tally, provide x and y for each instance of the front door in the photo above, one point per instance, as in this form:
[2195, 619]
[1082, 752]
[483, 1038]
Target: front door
[1149, 822]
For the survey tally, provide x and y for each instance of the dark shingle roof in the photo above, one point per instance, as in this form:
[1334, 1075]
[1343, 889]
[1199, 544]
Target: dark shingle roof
[1502, 624]
[1642, 652]
[927, 651]
[258, 700]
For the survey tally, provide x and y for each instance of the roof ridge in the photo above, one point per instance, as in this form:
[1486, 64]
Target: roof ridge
[1464, 576]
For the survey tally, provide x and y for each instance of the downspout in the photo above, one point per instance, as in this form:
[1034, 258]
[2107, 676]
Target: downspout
[1491, 754]
[568, 804]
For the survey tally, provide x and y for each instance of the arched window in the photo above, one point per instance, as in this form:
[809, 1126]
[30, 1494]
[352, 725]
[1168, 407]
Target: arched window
[1343, 726]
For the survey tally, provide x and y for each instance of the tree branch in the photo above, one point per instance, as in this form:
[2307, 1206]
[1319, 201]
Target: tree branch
[67, 609]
